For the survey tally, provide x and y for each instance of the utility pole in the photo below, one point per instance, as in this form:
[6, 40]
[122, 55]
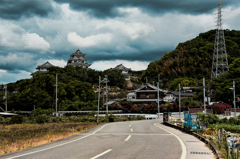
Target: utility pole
[5, 86]
[204, 96]
[158, 95]
[106, 94]
[179, 100]
[98, 98]
[234, 98]
[146, 80]
[56, 94]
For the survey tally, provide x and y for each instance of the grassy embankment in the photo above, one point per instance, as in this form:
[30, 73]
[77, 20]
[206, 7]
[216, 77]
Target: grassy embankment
[21, 136]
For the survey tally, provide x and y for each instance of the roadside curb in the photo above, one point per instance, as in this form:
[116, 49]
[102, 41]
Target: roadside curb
[206, 141]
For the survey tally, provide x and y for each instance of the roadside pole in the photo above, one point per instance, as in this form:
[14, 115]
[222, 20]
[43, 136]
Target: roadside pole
[234, 98]
[204, 96]
[179, 100]
[98, 98]
[5, 97]
[106, 94]
[158, 95]
[56, 94]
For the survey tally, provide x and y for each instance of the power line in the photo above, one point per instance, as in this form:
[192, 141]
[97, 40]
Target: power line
[55, 29]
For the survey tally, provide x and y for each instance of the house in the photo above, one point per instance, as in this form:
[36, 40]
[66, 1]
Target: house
[146, 94]
[77, 59]
[124, 70]
[172, 96]
[42, 68]
[111, 102]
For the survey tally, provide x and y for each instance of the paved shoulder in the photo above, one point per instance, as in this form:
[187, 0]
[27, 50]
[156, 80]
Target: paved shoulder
[195, 149]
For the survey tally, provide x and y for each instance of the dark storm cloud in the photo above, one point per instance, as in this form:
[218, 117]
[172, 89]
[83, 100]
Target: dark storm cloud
[15, 9]
[107, 8]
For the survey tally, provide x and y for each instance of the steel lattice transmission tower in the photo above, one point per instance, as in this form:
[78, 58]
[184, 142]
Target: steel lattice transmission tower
[220, 61]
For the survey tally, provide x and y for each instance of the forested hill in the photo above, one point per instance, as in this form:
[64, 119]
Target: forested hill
[193, 58]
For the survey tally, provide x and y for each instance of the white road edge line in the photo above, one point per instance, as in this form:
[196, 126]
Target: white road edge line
[101, 154]
[56, 145]
[184, 151]
[129, 136]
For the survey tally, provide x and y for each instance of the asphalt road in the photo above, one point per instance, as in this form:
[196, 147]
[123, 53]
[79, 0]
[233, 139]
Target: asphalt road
[123, 140]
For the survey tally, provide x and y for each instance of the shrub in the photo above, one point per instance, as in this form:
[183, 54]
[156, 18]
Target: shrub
[111, 118]
[232, 121]
[140, 118]
[92, 113]
[17, 119]
[43, 118]
[224, 120]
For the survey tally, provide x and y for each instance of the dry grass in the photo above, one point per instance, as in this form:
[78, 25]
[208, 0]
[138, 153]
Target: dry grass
[18, 137]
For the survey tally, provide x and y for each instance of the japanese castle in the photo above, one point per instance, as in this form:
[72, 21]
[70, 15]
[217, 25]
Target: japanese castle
[42, 68]
[77, 59]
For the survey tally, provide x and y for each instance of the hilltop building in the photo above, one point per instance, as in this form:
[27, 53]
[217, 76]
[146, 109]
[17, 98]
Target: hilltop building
[125, 71]
[42, 68]
[77, 59]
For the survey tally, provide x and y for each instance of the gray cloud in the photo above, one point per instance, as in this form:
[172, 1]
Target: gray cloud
[107, 8]
[15, 9]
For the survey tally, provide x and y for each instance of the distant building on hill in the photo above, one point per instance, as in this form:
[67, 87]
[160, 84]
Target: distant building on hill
[77, 59]
[146, 94]
[42, 68]
[124, 70]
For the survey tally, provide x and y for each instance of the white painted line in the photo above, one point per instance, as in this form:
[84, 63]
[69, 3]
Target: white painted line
[131, 130]
[56, 145]
[101, 154]
[129, 136]
[129, 125]
[184, 151]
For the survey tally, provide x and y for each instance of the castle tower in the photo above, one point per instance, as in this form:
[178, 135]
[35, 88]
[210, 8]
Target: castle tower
[77, 59]
[220, 61]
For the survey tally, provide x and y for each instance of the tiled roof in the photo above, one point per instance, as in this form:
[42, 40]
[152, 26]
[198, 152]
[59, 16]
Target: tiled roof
[149, 85]
[112, 102]
[121, 67]
[78, 52]
[45, 65]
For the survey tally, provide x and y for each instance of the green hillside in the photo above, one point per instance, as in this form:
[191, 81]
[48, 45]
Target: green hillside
[193, 58]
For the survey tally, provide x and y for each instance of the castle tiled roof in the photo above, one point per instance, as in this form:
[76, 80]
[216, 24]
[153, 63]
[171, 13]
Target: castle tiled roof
[78, 52]
[45, 65]
[121, 67]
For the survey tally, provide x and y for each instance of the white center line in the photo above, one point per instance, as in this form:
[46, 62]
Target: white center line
[129, 125]
[131, 130]
[129, 136]
[101, 154]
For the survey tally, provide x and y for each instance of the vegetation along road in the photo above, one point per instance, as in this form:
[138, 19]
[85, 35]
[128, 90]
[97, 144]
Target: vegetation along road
[132, 139]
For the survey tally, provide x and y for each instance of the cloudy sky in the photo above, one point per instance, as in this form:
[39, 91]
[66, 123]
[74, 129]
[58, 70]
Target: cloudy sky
[109, 32]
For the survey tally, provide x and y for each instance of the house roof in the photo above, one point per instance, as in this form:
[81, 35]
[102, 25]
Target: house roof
[182, 94]
[45, 65]
[121, 67]
[111, 102]
[7, 114]
[131, 94]
[78, 52]
[150, 86]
